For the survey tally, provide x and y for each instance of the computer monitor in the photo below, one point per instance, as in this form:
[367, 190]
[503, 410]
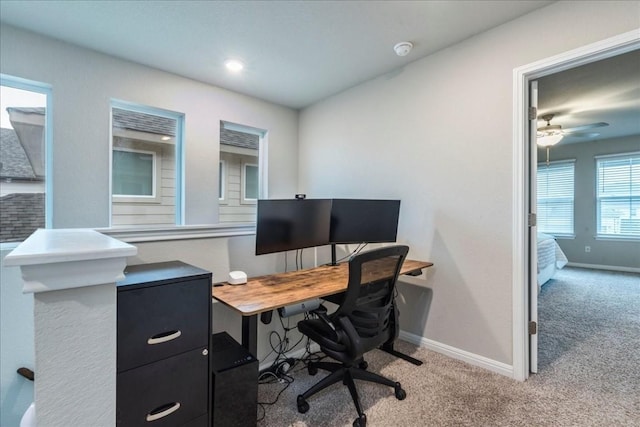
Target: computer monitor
[289, 224]
[363, 221]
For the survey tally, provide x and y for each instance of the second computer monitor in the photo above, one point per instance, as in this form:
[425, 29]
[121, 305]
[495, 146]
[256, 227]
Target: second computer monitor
[364, 221]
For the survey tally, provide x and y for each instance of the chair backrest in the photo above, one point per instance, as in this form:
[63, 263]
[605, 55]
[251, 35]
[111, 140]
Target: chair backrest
[368, 301]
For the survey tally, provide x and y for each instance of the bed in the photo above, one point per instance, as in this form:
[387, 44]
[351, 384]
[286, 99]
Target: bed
[550, 258]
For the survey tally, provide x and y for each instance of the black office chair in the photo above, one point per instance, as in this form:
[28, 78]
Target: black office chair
[365, 319]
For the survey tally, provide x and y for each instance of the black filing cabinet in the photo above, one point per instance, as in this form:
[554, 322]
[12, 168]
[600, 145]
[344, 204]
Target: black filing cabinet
[164, 331]
[235, 383]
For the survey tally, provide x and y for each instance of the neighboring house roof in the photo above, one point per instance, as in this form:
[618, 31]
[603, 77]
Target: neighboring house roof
[27, 110]
[20, 215]
[14, 163]
[238, 139]
[124, 119]
[141, 122]
[29, 126]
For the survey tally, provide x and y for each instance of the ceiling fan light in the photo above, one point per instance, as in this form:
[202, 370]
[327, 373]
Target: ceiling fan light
[547, 140]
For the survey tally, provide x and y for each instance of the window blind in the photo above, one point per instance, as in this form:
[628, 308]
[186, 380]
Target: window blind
[618, 195]
[555, 188]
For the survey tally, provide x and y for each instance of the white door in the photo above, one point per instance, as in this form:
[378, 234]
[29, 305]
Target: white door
[533, 242]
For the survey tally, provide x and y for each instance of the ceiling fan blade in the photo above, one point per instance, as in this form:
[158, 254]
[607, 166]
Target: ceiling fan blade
[585, 127]
[583, 134]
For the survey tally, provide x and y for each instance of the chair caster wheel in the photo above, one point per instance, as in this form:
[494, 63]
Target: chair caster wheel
[361, 421]
[303, 406]
[312, 369]
[363, 365]
[400, 393]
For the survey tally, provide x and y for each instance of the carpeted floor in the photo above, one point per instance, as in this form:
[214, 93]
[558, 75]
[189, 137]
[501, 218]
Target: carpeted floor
[589, 372]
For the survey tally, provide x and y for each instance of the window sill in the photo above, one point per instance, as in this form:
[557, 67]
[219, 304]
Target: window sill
[615, 238]
[185, 232]
[125, 200]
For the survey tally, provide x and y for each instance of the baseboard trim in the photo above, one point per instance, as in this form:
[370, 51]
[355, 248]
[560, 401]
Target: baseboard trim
[447, 350]
[604, 267]
[456, 353]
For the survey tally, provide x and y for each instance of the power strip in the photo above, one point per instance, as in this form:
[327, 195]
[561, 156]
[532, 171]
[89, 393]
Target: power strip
[301, 307]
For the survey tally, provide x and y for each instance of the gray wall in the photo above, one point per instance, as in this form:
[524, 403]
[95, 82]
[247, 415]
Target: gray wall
[612, 253]
[83, 84]
[438, 134]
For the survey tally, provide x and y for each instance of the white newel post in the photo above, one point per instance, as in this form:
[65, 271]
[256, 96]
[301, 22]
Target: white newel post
[72, 273]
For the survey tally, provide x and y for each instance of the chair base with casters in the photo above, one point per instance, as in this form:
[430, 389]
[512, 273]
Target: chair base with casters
[365, 320]
[347, 375]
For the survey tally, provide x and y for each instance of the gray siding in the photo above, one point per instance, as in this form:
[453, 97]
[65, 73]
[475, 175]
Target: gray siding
[160, 212]
[232, 208]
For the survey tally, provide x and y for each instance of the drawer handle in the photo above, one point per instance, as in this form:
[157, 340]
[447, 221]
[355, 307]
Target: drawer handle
[164, 337]
[163, 411]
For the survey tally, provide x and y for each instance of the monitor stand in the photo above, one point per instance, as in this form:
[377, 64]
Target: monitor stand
[333, 255]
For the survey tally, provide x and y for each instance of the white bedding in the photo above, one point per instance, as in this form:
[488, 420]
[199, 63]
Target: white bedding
[550, 258]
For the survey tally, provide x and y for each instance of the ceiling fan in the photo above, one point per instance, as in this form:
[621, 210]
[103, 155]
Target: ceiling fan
[550, 135]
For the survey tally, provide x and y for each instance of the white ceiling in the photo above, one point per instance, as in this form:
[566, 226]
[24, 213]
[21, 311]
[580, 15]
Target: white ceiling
[604, 91]
[296, 52]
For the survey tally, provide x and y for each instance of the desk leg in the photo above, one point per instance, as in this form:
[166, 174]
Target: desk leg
[250, 334]
[388, 348]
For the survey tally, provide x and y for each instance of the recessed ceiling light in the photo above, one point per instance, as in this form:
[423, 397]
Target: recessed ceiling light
[234, 65]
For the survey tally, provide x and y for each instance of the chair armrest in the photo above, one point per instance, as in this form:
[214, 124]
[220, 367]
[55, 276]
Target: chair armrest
[321, 312]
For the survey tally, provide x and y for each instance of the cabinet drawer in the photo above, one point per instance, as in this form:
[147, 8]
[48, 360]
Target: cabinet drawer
[171, 392]
[156, 322]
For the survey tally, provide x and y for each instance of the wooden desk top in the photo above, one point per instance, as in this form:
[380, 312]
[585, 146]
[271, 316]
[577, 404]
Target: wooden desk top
[273, 291]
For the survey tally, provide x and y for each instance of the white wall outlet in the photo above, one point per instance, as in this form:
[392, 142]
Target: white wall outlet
[587, 249]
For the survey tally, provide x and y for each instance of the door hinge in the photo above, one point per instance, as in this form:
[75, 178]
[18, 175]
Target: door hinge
[533, 113]
[533, 328]
[532, 220]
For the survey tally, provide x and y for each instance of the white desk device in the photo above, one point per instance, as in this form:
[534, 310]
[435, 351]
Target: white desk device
[237, 278]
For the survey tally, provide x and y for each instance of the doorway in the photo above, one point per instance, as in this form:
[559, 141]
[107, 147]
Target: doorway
[525, 246]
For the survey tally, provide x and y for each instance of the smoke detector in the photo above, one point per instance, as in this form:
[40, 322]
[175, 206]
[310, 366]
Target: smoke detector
[403, 48]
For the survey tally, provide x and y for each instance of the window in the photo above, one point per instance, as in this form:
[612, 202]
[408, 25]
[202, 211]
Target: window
[25, 137]
[134, 173]
[555, 188]
[222, 171]
[618, 195]
[145, 166]
[242, 182]
[250, 181]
